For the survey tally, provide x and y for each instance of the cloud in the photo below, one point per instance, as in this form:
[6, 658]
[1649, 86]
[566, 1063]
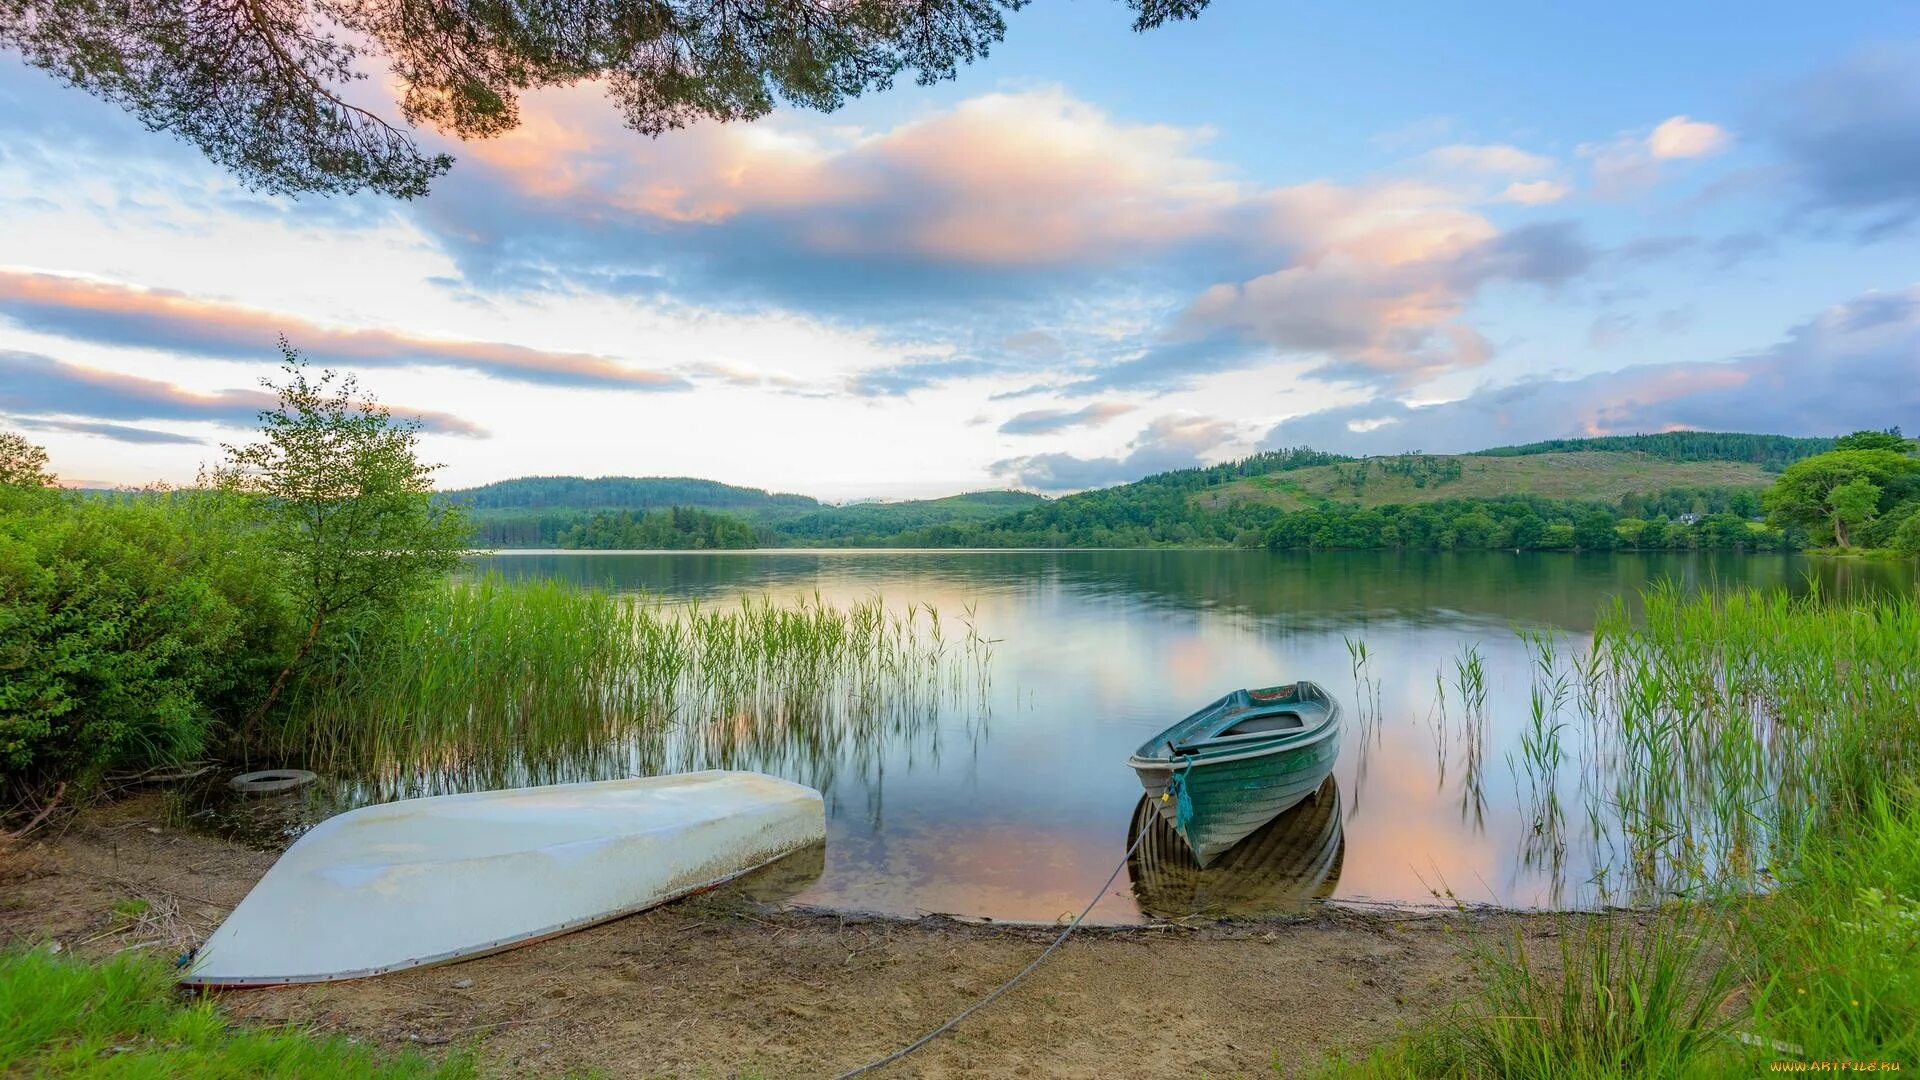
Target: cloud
[918, 374]
[1393, 311]
[1630, 163]
[46, 390]
[1534, 192]
[116, 432]
[1681, 137]
[1166, 444]
[1048, 421]
[974, 200]
[1499, 159]
[1012, 204]
[103, 312]
[1856, 365]
[1850, 135]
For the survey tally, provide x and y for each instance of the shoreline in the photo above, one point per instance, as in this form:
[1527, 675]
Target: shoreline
[720, 984]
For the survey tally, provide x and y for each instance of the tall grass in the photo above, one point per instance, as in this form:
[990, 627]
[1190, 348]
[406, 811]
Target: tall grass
[491, 681]
[1734, 726]
[1753, 754]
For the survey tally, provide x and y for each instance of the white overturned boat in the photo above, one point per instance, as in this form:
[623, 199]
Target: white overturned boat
[428, 881]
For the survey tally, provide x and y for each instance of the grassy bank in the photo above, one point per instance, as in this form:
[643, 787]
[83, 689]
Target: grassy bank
[1761, 751]
[530, 681]
[125, 1018]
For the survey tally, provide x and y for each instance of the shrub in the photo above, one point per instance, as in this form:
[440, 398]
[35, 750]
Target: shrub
[128, 626]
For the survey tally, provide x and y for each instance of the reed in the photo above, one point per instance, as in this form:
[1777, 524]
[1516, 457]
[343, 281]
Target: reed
[1753, 754]
[1732, 727]
[493, 682]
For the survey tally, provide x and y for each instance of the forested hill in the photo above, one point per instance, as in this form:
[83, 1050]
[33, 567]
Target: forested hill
[1674, 489]
[622, 492]
[1771, 451]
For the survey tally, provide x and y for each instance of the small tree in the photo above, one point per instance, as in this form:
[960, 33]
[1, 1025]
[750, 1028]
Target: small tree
[347, 502]
[22, 464]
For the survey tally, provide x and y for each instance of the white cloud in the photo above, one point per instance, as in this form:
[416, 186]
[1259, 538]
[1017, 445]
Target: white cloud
[1490, 158]
[1534, 192]
[1682, 137]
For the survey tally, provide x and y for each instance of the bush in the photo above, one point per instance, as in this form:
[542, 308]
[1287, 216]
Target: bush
[129, 628]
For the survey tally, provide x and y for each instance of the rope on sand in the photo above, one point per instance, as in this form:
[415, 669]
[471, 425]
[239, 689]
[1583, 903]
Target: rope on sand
[1173, 783]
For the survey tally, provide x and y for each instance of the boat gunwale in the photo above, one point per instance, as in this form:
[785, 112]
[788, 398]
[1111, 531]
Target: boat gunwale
[1274, 743]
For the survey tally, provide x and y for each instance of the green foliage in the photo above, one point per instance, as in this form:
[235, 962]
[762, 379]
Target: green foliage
[1773, 451]
[131, 628]
[1525, 523]
[561, 512]
[622, 493]
[61, 1016]
[1834, 948]
[22, 464]
[678, 528]
[1842, 491]
[344, 499]
[1890, 439]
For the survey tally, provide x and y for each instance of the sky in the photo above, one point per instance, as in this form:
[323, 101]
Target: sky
[1093, 256]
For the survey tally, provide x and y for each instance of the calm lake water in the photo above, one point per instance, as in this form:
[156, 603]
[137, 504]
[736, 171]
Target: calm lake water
[1014, 802]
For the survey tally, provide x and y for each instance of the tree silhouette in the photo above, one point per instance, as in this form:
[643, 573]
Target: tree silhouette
[260, 86]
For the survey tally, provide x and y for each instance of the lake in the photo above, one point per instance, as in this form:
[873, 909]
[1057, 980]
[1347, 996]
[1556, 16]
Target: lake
[1017, 804]
[1011, 799]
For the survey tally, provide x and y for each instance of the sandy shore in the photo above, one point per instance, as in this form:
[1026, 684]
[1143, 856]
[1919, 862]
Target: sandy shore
[719, 986]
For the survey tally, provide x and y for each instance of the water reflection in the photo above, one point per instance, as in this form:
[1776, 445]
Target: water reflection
[1003, 801]
[1278, 869]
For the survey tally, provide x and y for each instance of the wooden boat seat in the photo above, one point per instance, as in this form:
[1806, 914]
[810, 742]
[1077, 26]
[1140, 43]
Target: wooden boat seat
[1285, 721]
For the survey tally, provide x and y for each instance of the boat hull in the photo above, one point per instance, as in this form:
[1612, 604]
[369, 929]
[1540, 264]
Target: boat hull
[431, 881]
[1231, 798]
[1280, 868]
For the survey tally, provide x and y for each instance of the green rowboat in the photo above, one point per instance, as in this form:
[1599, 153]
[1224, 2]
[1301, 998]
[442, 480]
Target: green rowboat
[1241, 761]
[1279, 869]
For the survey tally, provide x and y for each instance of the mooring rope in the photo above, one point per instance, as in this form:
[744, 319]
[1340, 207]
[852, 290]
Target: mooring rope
[1172, 785]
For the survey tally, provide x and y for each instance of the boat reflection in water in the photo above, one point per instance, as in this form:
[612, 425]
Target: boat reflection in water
[1279, 868]
[785, 878]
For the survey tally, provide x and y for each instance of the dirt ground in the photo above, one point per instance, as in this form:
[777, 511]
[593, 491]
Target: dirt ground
[718, 986]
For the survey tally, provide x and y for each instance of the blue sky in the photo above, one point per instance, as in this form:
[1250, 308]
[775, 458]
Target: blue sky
[1092, 256]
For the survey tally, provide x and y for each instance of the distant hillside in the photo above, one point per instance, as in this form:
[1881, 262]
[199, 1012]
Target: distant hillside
[621, 492]
[868, 524]
[1538, 495]
[1423, 478]
[1772, 451]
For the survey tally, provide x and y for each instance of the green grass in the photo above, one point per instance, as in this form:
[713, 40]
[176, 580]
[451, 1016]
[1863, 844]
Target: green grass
[1835, 949]
[1597, 476]
[61, 1016]
[1612, 999]
[1754, 754]
[533, 681]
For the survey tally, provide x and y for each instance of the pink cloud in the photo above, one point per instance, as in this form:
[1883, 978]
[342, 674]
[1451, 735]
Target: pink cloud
[93, 310]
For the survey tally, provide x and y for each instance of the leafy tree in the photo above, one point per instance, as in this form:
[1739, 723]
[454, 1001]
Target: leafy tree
[261, 86]
[1829, 491]
[1853, 504]
[1594, 531]
[22, 464]
[1890, 439]
[346, 500]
